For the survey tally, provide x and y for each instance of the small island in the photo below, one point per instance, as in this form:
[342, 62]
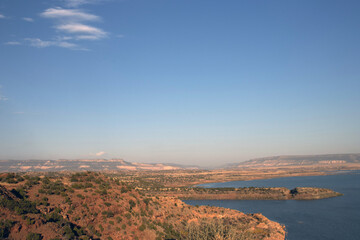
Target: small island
[249, 193]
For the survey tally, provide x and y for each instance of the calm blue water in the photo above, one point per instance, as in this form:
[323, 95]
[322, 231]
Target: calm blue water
[332, 218]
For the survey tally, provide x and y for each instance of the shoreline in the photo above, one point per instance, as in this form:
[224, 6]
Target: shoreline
[201, 192]
[251, 193]
[284, 175]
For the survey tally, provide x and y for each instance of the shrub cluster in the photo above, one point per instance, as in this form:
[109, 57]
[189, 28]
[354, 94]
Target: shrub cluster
[5, 227]
[21, 206]
[51, 188]
[212, 229]
[11, 178]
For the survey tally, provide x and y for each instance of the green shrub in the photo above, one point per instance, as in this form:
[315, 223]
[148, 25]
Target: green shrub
[80, 196]
[102, 192]
[132, 204]
[5, 227]
[101, 228]
[34, 236]
[30, 221]
[54, 216]
[68, 232]
[147, 201]
[108, 214]
[19, 192]
[142, 227]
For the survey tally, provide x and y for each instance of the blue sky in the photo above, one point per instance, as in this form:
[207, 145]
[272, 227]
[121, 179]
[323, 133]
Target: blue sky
[192, 82]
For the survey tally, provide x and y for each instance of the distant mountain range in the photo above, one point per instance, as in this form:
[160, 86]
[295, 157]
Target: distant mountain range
[119, 164]
[83, 164]
[299, 160]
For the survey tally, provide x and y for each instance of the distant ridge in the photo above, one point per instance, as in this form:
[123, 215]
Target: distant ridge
[83, 164]
[299, 160]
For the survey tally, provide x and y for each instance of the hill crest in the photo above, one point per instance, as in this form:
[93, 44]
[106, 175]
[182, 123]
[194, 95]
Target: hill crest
[300, 160]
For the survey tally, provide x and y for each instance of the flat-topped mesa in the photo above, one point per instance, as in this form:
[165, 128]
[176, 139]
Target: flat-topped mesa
[252, 193]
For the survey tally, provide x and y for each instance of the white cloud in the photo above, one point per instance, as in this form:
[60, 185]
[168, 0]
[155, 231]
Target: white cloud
[28, 19]
[69, 23]
[83, 31]
[69, 14]
[13, 43]
[2, 16]
[64, 38]
[66, 45]
[76, 3]
[37, 42]
[100, 153]
[87, 37]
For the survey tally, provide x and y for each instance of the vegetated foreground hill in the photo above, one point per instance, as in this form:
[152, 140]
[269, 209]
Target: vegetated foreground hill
[302, 160]
[95, 206]
[82, 164]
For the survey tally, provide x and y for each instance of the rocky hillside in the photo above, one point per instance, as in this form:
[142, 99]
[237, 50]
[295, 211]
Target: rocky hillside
[300, 160]
[82, 164]
[95, 206]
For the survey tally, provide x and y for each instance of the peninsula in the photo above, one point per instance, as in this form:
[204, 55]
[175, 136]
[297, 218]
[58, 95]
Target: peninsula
[249, 193]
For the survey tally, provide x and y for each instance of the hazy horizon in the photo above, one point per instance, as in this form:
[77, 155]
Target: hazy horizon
[215, 165]
[184, 82]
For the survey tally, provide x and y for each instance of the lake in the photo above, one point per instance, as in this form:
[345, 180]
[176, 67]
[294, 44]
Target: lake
[331, 218]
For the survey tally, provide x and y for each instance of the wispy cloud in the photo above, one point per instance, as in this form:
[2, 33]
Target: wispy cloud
[76, 3]
[13, 43]
[72, 23]
[37, 42]
[27, 19]
[82, 31]
[69, 14]
[100, 153]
